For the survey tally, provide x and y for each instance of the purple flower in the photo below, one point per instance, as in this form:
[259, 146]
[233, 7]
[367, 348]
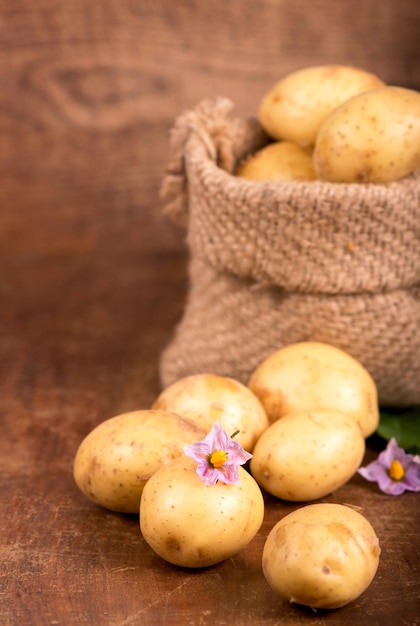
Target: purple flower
[218, 457]
[394, 470]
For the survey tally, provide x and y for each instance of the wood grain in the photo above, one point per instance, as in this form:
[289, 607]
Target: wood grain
[93, 280]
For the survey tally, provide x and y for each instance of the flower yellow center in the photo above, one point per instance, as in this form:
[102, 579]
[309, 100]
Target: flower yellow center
[396, 470]
[218, 458]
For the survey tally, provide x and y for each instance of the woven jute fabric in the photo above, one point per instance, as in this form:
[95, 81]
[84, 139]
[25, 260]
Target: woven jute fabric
[277, 263]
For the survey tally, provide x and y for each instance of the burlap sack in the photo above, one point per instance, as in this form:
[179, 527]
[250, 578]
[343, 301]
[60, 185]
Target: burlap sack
[276, 263]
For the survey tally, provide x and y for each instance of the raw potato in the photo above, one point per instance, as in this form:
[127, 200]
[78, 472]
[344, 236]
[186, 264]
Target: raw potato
[297, 105]
[310, 375]
[192, 525]
[372, 138]
[305, 456]
[116, 459]
[281, 160]
[205, 398]
[321, 555]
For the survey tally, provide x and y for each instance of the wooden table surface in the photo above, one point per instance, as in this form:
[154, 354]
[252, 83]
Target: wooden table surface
[93, 279]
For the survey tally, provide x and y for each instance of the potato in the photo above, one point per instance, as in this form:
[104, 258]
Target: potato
[321, 555]
[296, 106]
[372, 138]
[193, 525]
[309, 375]
[116, 459]
[305, 456]
[204, 398]
[281, 160]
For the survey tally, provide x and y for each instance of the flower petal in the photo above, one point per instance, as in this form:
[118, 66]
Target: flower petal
[229, 474]
[209, 475]
[392, 451]
[412, 476]
[217, 438]
[374, 472]
[237, 454]
[198, 451]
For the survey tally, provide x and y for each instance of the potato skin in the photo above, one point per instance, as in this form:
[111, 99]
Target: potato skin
[116, 459]
[193, 525]
[305, 456]
[297, 105]
[372, 138]
[309, 375]
[281, 160]
[205, 398]
[321, 555]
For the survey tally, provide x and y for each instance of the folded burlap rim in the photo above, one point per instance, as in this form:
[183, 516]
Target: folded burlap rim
[301, 236]
[289, 253]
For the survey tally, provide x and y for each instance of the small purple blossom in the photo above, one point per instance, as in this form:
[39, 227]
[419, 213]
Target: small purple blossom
[394, 470]
[218, 457]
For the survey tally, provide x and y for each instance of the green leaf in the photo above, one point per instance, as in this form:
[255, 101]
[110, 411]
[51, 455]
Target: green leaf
[403, 424]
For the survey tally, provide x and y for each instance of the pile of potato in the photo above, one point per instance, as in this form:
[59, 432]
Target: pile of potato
[337, 123]
[304, 415]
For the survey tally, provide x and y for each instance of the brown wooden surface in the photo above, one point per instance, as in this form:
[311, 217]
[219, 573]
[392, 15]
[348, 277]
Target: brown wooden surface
[93, 280]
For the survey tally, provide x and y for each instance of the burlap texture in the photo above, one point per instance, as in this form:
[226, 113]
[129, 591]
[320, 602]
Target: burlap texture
[276, 263]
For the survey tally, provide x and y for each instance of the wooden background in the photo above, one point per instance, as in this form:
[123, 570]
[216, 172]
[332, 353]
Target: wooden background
[93, 280]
